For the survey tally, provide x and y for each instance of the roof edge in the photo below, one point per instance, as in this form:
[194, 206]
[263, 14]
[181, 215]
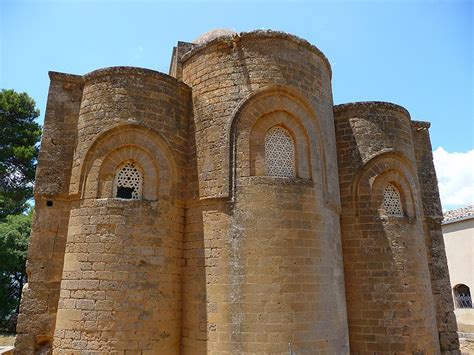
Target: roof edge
[371, 104]
[55, 75]
[228, 39]
[132, 71]
[458, 214]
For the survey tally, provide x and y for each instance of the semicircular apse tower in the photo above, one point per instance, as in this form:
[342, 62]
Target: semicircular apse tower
[267, 173]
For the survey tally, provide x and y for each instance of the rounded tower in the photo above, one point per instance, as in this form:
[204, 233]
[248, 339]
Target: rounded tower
[120, 289]
[390, 303]
[268, 199]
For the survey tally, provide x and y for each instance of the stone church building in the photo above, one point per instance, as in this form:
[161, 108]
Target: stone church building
[230, 208]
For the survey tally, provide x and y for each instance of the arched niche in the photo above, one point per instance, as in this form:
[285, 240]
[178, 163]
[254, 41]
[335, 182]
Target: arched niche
[370, 182]
[259, 132]
[118, 145]
[277, 105]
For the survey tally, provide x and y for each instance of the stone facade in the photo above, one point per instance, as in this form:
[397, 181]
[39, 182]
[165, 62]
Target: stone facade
[223, 239]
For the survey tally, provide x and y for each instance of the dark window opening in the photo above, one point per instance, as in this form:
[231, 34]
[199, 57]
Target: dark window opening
[125, 192]
[462, 296]
[49, 203]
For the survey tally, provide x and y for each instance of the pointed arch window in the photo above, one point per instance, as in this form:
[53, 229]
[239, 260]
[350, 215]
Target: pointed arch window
[392, 203]
[128, 182]
[279, 153]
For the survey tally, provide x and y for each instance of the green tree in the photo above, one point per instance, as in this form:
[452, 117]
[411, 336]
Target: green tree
[19, 138]
[14, 236]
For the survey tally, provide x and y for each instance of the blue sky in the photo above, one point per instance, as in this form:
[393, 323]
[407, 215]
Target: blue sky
[418, 54]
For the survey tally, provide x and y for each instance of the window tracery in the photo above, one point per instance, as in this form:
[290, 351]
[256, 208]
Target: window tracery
[279, 153]
[392, 203]
[128, 182]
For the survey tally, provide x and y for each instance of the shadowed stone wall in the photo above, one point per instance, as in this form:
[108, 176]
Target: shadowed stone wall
[39, 303]
[433, 216]
[388, 287]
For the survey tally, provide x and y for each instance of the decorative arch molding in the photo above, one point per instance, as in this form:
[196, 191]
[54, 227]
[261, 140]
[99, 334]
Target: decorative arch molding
[389, 167]
[276, 105]
[401, 183]
[156, 175]
[126, 142]
[257, 137]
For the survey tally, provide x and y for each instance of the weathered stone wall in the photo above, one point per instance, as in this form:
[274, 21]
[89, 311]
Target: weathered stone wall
[176, 65]
[207, 223]
[121, 283]
[432, 218]
[48, 238]
[388, 287]
[271, 246]
[194, 323]
[286, 286]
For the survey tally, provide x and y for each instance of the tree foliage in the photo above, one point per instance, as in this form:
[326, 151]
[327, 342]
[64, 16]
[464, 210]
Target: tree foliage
[19, 138]
[14, 236]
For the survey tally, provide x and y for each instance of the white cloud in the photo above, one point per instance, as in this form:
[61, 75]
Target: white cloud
[455, 172]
